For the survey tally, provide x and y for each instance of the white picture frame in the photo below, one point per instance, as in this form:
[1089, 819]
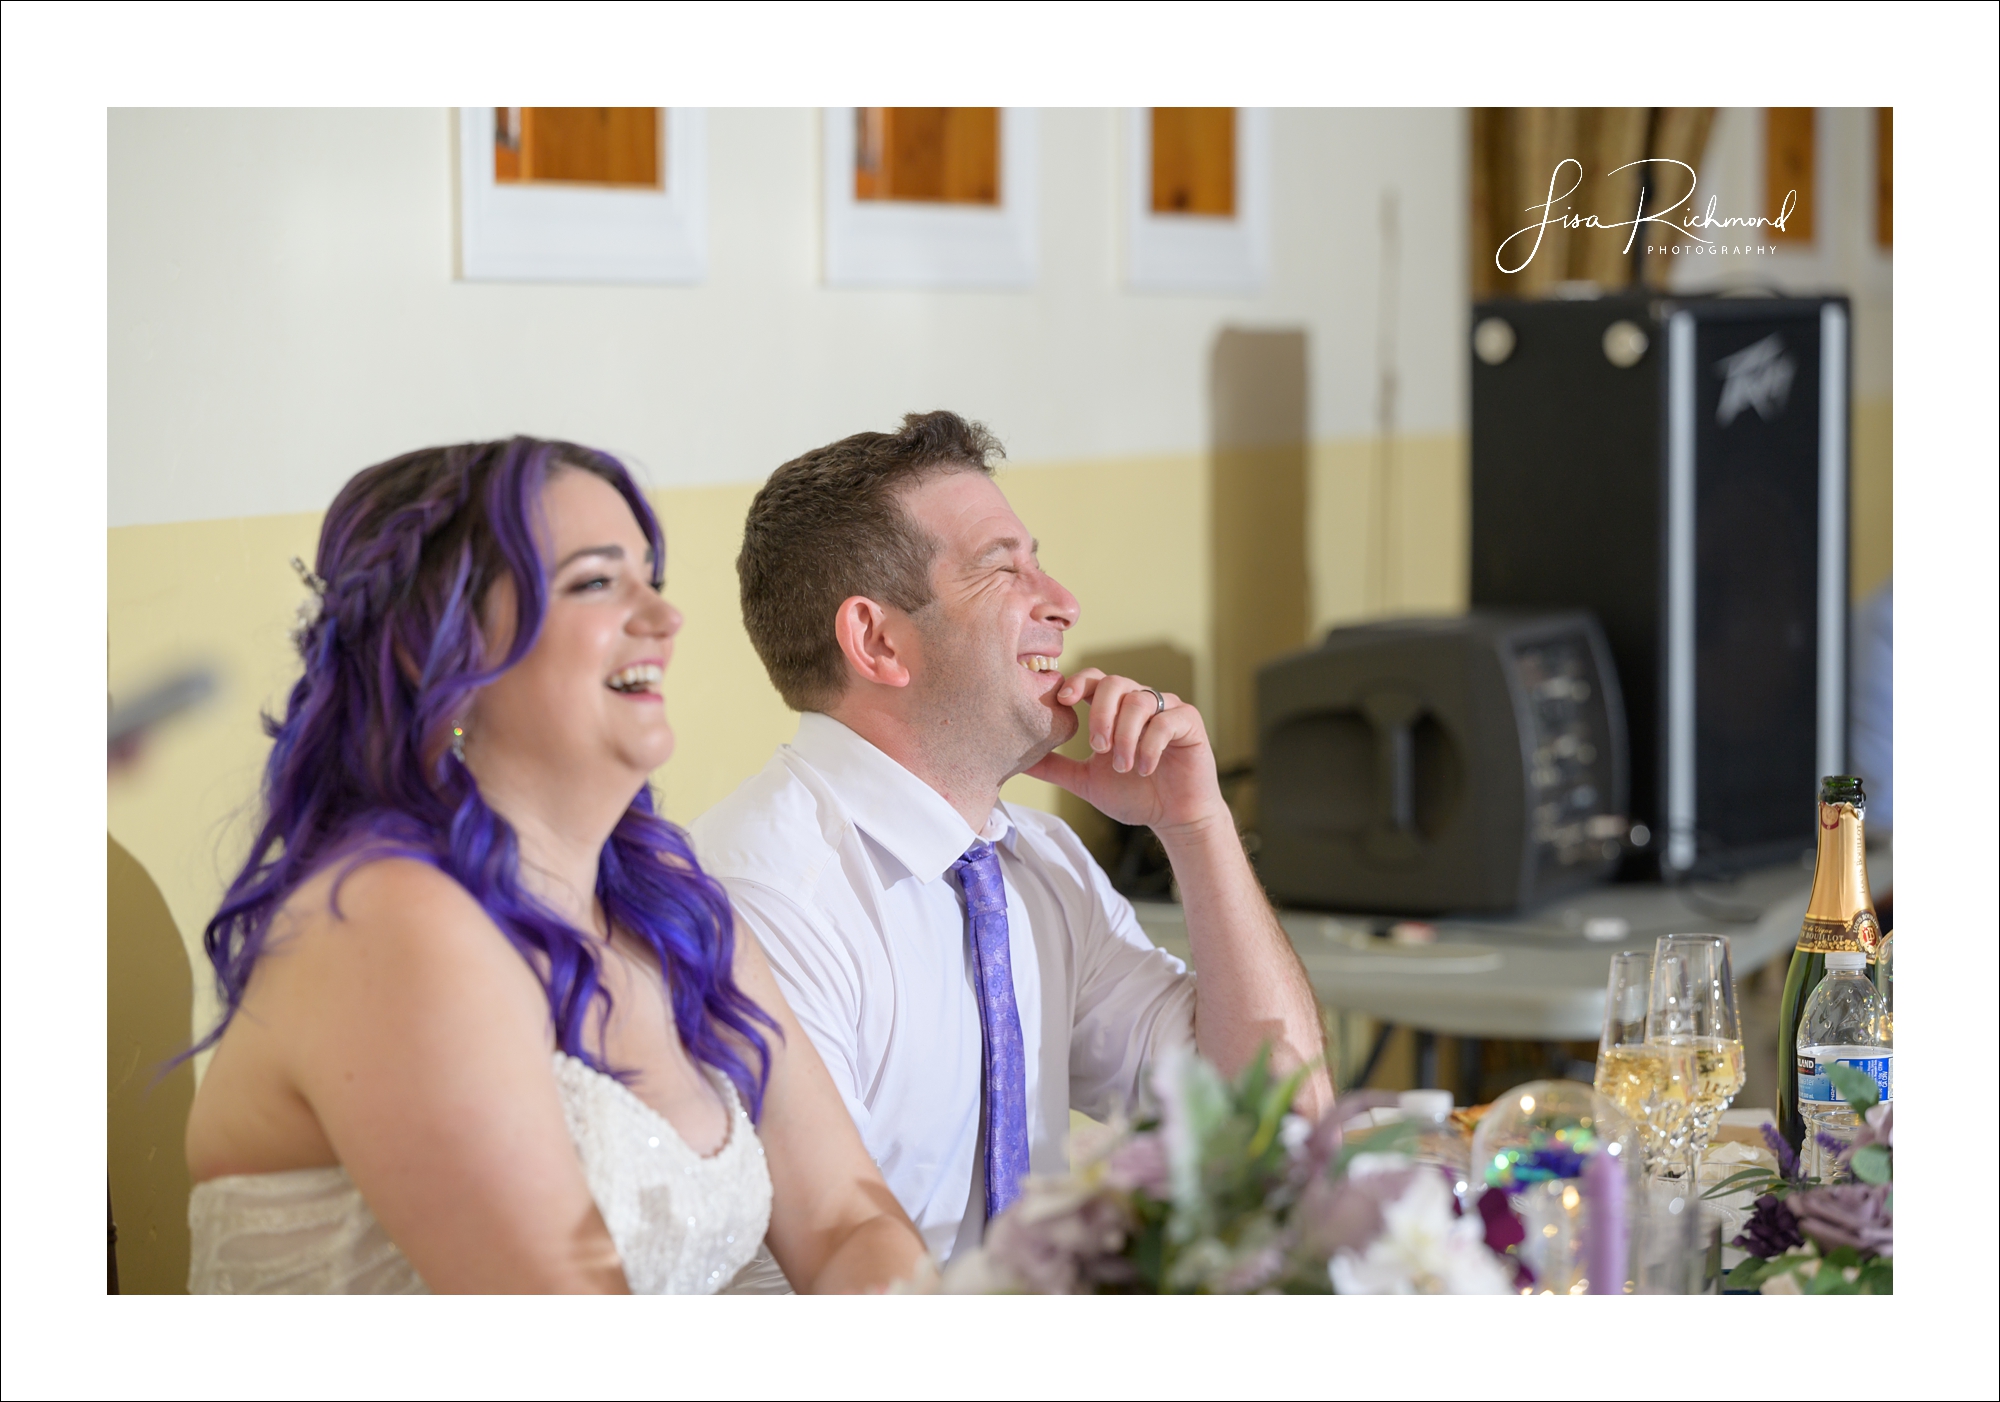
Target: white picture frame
[579, 233]
[893, 243]
[1199, 252]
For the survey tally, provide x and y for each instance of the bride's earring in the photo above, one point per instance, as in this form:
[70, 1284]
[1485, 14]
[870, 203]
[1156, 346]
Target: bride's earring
[458, 741]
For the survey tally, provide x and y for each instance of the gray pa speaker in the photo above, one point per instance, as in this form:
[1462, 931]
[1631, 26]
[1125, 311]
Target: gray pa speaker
[1428, 766]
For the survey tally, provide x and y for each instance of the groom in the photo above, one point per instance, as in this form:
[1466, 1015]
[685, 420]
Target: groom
[962, 964]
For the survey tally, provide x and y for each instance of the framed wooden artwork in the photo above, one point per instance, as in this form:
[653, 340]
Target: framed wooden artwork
[1791, 161]
[930, 196]
[1885, 177]
[930, 155]
[1197, 199]
[582, 194]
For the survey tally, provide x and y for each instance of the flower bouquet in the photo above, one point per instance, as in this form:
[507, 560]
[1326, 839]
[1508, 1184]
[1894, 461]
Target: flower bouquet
[1224, 1191]
[1805, 1237]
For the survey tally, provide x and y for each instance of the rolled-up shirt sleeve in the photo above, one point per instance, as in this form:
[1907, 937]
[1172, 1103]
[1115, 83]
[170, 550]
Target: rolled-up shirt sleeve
[1133, 1001]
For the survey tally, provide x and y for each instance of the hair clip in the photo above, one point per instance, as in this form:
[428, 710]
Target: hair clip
[308, 578]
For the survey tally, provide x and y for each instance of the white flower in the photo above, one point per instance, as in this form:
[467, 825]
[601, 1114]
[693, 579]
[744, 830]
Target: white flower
[1367, 1165]
[975, 1272]
[1193, 1100]
[1423, 1249]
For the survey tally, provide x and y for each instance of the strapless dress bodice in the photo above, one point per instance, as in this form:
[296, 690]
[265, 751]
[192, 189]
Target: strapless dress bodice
[683, 1224]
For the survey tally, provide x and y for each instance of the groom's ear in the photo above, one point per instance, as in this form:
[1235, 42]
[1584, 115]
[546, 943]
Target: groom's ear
[875, 650]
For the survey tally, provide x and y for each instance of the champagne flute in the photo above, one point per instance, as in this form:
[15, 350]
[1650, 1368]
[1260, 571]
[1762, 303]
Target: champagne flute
[1649, 1081]
[1693, 1006]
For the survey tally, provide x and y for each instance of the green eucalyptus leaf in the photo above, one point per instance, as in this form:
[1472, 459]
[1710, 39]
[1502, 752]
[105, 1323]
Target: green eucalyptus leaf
[1275, 1104]
[1871, 1163]
[1255, 1078]
[1397, 1138]
[1857, 1088]
[1752, 1271]
[1828, 1280]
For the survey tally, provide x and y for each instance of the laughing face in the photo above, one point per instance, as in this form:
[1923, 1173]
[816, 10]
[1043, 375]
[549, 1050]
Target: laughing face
[585, 702]
[993, 635]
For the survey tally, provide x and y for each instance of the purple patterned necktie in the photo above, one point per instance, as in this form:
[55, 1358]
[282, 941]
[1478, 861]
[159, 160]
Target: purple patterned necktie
[1006, 1067]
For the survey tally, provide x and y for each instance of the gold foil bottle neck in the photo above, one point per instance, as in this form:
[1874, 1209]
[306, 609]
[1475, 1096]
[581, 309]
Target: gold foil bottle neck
[1841, 913]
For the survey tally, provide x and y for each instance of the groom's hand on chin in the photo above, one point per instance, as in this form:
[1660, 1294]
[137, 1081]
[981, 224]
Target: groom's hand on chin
[1148, 766]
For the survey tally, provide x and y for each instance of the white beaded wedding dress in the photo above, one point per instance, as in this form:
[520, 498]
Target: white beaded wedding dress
[683, 1224]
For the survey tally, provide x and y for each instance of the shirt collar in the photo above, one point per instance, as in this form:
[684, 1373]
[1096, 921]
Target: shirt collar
[909, 818]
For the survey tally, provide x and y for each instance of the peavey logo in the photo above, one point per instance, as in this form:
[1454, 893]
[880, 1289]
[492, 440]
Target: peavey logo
[1757, 377]
[1685, 226]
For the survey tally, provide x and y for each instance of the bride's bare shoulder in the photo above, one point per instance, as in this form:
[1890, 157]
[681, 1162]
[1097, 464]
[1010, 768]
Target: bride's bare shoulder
[381, 980]
[388, 915]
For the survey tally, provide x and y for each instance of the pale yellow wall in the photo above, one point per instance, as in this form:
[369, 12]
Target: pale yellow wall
[727, 717]
[1129, 537]
[1874, 496]
[222, 592]
[1429, 541]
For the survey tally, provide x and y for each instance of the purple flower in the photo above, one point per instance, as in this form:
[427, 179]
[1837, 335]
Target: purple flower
[1347, 1212]
[1503, 1228]
[1878, 1127]
[1772, 1229]
[1788, 1162]
[1848, 1214]
[1254, 1272]
[1140, 1162]
[1504, 1232]
[1324, 1142]
[1056, 1241]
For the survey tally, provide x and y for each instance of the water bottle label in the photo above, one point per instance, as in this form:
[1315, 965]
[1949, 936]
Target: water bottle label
[1816, 1088]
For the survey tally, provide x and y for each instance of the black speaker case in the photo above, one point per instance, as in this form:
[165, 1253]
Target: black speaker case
[1618, 489]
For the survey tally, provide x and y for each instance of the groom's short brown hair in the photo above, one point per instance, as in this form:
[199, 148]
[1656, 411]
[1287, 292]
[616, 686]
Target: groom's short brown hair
[829, 525]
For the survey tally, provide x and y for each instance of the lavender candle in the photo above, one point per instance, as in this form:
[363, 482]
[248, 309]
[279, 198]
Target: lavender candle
[1604, 1222]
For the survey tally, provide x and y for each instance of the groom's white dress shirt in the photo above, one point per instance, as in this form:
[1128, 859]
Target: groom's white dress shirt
[838, 859]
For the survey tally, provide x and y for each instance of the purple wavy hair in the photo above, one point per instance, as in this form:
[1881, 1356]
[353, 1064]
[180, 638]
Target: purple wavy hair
[361, 766]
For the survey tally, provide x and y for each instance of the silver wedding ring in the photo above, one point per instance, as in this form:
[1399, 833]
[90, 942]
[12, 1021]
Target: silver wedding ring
[1157, 697]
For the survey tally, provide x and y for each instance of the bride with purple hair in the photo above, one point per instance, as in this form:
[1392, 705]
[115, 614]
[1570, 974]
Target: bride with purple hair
[488, 1026]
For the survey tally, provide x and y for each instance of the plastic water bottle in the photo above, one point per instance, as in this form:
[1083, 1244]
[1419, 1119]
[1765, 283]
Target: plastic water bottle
[1437, 1142]
[1885, 978]
[1844, 1022]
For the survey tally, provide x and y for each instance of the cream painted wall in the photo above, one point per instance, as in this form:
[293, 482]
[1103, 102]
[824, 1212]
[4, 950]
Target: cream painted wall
[282, 310]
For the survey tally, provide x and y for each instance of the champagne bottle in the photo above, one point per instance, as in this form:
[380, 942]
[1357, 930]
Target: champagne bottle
[1839, 916]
